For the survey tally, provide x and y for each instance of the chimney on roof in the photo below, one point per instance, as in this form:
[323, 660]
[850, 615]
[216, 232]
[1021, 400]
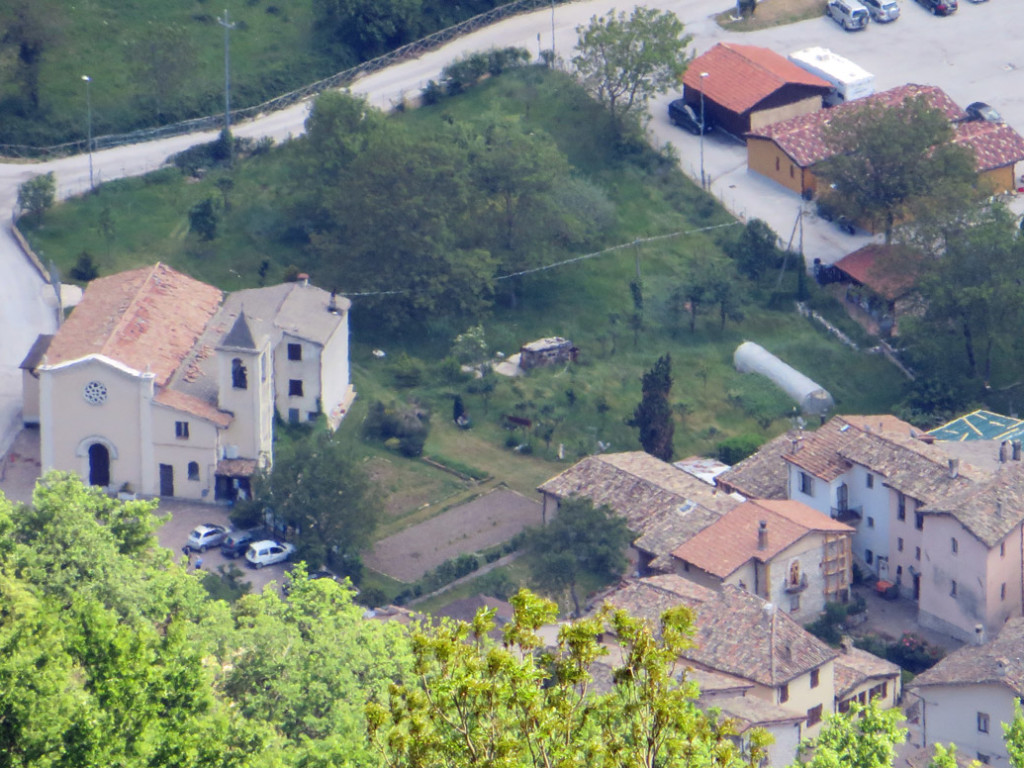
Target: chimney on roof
[979, 634]
[999, 509]
[1016, 450]
[762, 535]
[303, 278]
[954, 469]
[332, 305]
[1002, 667]
[1002, 452]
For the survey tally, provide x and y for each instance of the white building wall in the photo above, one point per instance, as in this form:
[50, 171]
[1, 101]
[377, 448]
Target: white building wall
[335, 377]
[306, 406]
[802, 697]
[200, 446]
[822, 495]
[872, 538]
[950, 714]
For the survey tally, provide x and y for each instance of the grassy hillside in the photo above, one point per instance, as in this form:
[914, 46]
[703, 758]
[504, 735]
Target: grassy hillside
[578, 407]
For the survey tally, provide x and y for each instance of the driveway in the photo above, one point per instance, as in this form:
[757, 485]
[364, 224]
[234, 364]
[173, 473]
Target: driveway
[973, 55]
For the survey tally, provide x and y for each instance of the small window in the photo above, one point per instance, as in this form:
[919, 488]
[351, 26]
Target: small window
[777, 164]
[293, 415]
[794, 603]
[813, 716]
[901, 507]
[869, 556]
[239, 376]
[806, 484]
[917, 553]
[954, 547]
[294, 351]
[844, 706]
[263, 367]
[193, 470]
[983, 722]
[871, 522]
[784, 694]
[814, 678]
[1002, 549]
[295, 387]
[792, 171]
[919, 521]
[899, 572]
[899, 543]
[1002, 591]
[871, 480]
[952, 588]
[181, 430]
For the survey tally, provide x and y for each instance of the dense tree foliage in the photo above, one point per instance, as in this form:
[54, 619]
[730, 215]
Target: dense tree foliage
[317, 489]
[580, 539]
[863, 737]
[626, 60]
[37, 194]
[522, 704]
[424, 223]
[889, 160]
[653, 415]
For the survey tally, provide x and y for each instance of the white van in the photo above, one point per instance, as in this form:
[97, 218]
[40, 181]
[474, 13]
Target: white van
[882, 10]
[849, 14]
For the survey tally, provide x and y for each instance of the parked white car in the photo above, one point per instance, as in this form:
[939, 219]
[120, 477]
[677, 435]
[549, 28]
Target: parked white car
[268, 552]
[205, 536]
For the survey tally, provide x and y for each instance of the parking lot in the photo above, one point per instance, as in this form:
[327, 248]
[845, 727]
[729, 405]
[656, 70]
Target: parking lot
[973, 55]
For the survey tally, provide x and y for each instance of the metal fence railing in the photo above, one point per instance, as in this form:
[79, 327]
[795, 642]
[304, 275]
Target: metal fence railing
[339, 80]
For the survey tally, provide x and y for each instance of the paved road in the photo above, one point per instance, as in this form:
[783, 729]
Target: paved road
[973, 55]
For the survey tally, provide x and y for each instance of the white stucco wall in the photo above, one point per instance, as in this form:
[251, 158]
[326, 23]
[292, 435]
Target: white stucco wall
[123, 422]
[251, 430]
[306, 370]
[950, 714]
[200, 446]
[802, 697]
[335, 378]
[873, 530]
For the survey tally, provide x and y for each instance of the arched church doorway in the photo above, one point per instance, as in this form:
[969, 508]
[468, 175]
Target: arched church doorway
[99, 464]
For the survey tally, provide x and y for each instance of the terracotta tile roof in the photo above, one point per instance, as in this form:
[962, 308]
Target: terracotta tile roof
[875, 266]
[668, 529]
[735, 633]
[855, 667]
[750, 712]
[732, 540]
[821, 452]
[997, 662]
[144, 318]
[713, 684]
[637, 486]
[763, 475]
[740, 76]
[989, 509]
[179, 401]
[995, 145]
[801, 137]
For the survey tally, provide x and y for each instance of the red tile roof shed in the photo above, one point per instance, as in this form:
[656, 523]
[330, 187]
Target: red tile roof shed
[740, 76]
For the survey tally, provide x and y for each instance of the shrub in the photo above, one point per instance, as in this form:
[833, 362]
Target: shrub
[913, 653]
[407, 372]
[402, 427]
[84, 269]
[203, 219]
[372, 597]
[733, 450]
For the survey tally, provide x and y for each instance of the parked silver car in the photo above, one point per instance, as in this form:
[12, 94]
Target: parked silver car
[882, 10]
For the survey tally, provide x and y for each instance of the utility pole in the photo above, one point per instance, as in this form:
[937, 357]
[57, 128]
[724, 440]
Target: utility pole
[228, 26]
[552, 33]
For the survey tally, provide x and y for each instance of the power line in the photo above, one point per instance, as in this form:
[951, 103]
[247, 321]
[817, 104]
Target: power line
[611, 249]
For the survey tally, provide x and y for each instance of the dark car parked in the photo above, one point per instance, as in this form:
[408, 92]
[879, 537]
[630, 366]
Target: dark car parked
[683, 115]
[940, 7]
[237, 542]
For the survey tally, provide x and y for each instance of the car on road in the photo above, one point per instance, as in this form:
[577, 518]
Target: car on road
[236, 543]
[940, 7]
[979, 110]
[205, 536]
[849, 14]
[268, 552]
[683, 115]
[882, 10]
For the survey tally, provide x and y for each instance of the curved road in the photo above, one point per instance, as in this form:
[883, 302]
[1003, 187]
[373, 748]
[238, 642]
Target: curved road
[971, 55]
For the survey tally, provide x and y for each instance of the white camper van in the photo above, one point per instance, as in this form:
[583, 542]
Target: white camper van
[848, 80]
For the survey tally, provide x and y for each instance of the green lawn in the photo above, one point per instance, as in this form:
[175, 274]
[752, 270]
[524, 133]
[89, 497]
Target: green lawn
[584, 405]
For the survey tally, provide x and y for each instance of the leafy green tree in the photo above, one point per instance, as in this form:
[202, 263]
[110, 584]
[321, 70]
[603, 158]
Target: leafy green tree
[475, 702]
[864, 737]
[623, 61]
[32, 28]
[887, 159]
[580, 539]
[317, 487]
[368, 27]
[470, 346]
[755, 251]
[203, 218]
[37, 195]
[653, 416]
[1013, 735]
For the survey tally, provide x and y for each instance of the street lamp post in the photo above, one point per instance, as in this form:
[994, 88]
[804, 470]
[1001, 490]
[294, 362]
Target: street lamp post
[702, 76]
[88, 112]
[228, 26]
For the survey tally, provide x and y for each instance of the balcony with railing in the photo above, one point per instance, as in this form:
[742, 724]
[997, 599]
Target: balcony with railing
[798, 585]
[848, 514]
